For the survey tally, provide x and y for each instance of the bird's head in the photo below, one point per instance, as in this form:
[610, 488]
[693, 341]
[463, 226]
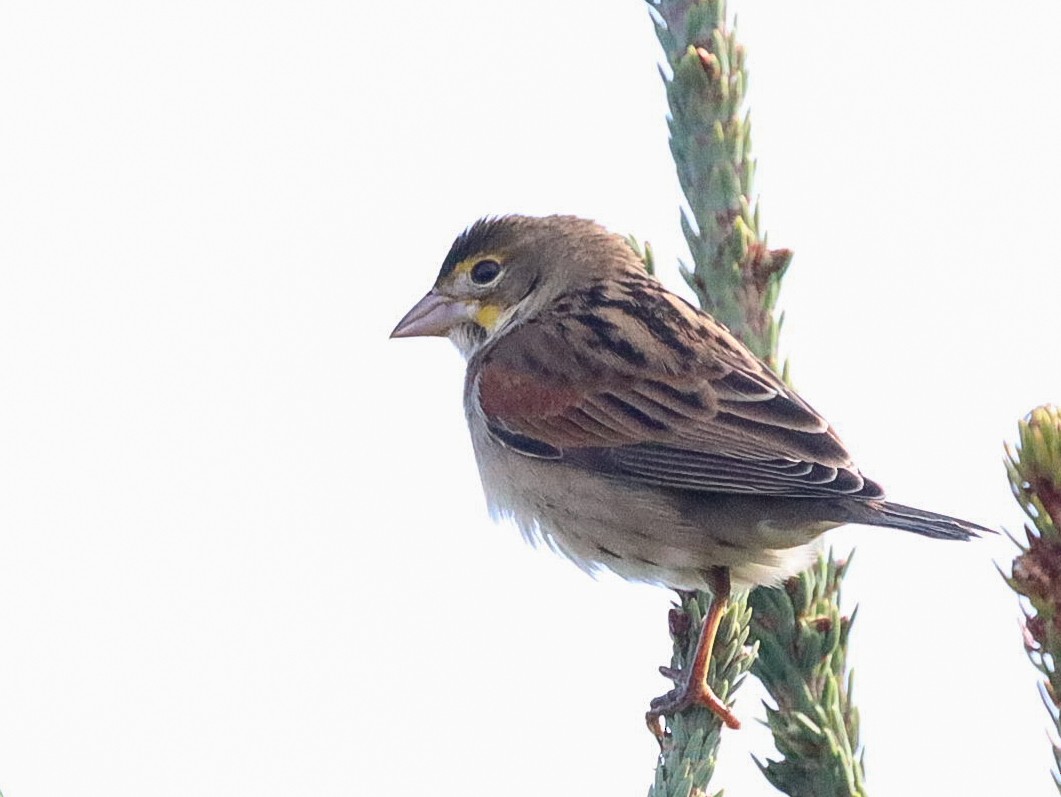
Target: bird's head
[502, 271]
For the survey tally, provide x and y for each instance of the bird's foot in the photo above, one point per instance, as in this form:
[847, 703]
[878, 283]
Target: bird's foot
[690, 685]
[689, 692]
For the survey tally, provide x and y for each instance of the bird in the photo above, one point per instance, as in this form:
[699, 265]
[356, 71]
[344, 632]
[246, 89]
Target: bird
[630, 431]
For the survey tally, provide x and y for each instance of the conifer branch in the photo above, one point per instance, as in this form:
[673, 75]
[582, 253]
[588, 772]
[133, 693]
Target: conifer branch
[1034, 469]
[800, 632]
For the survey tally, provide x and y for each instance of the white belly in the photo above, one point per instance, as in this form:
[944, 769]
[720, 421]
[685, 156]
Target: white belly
[639, 532]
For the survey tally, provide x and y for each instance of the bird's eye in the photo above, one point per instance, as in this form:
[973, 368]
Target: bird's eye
[485, 271]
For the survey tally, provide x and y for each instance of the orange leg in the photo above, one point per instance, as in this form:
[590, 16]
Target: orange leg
[692, 688]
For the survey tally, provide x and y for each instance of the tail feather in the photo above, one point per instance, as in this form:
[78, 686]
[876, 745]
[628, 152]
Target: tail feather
[919, 521]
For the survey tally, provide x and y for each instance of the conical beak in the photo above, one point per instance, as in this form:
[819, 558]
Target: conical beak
[435, 314]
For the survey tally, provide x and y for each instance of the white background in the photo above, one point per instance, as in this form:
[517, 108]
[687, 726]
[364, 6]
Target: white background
[243, 548]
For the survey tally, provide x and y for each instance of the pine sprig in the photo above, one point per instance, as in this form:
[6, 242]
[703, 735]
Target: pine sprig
[1034, 470]
[803, 664]
[735, 275]
[737, 278]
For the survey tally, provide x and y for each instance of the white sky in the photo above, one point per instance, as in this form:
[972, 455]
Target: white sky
[244, 548]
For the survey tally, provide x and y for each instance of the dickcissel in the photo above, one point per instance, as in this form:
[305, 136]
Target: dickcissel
[631, 431]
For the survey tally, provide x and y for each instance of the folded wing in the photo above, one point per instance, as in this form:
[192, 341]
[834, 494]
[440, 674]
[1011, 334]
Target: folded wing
[689, 408]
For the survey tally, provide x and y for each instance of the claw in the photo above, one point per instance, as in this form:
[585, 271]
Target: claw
[670, 673]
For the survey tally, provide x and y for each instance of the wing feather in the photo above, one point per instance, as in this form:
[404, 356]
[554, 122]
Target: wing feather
[690, 409]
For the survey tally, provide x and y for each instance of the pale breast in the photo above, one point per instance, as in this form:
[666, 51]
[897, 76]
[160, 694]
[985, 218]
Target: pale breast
[639, 532]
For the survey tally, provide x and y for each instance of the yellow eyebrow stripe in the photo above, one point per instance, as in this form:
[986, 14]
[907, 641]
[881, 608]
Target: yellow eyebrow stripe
[466, 265]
